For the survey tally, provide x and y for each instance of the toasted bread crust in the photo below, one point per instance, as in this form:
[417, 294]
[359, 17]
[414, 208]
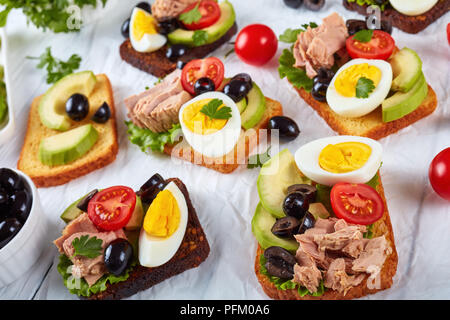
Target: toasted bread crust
[192, 252]
[247, 140]
[75, 169]
[376, 128]
[409, 24]
[157, 64]
[381, 227]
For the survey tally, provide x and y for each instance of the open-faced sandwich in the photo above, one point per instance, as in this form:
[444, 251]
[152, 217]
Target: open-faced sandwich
[322, 224]
[71, 130]
[199, 116]
[173, 32]
[411, 16]
[356, 79]
[118, 242]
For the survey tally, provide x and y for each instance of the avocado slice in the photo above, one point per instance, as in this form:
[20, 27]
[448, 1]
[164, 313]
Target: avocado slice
[215, 31]
[256, 106]
[407, 68]
[275, 177]
[72, 212]
[68, 146]
[242, 105]
[400, 104]
[262, 223]
[137, 217]
[52, 105]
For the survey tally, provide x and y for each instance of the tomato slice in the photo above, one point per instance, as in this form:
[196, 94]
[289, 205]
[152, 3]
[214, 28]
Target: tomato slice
[210, 12]
[380, 46]
[356, 203]
[111, 209]
[211, 68]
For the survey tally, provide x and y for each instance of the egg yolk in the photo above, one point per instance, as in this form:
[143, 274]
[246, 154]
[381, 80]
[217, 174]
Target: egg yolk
[199, 122]
[163, 216]
[344, 157]
[143, 23]
[346, 81]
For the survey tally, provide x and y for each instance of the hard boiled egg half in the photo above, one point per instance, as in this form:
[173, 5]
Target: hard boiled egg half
[342, 92]
[210, 136]
[164, 227]
[144, 34]
[337, 159]
[413, 7]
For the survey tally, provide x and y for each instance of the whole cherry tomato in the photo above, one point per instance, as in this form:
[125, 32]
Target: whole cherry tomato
[439, 174]
[256, 44]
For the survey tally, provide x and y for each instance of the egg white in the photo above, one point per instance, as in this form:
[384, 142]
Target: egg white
[307, 160]
[218, 143]
[149, 42]
[156, 251]
[357, 107]
[413, 7]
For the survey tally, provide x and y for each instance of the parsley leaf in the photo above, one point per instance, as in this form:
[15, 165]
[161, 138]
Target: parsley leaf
[257, 160]
[213, 110]
[200, 37]
[290, 35]
[191, 16]
[296, 76]
[364, 87]
[87, 247]
[57, 69]
[363, 35]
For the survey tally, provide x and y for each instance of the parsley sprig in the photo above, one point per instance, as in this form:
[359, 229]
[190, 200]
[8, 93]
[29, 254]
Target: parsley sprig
[200, 37]
[364, 87]
[290, 35]
[191, 16]
[363, 35]
[212, 110]
[257, 160]
[87, 247]
[56, 69]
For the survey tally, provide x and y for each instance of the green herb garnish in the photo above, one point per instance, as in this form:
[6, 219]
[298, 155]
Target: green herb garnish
[213, 110]
[200, 37]
[56, 69]
[364, 87]
[191, 16]
[257, 160]
[363, 35]
[87, 247]
[296, 76]
[290, 35]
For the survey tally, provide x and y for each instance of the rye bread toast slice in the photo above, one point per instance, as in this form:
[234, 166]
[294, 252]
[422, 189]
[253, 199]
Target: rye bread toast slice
[101, 154]
[247, 142]
[194, 249]
[409, 24]
[157, 64]
[381, 227]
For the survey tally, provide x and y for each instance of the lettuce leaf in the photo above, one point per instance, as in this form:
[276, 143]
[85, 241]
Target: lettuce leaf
[370, 3]
[296, 76]
[145, 139]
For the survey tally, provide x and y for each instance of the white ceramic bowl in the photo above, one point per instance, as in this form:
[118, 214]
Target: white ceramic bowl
[6, 128]
[17, 257]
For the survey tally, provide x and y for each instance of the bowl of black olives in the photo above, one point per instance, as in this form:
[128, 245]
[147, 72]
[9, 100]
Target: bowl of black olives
[22, 225]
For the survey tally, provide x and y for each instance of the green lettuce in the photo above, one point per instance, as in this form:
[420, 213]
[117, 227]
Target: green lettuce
[370, 3]
[145, 139]
[296, 76]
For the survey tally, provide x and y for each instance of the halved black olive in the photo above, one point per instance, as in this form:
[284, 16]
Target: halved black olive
[286, 227]
[83, 203]
[151, 188]
[296, 205]
[306, 223]
[279, 253]
[280, 262]
[355, 25]
[103, 113]
[308, 190]
[152, 182]
[314, 5]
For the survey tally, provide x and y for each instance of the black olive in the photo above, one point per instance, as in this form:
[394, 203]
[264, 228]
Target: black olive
[152, 182]
[355, 25]
[244, 77]
[386, 26]
[77, 107]
[275, 252]
[280, 262]
[308, 190]
[145, 6]
[10, 181]
[319, 91]
[286, 227]
[287, 128]
[3, 196]
[175, 51]
[20, 205]
[83, 203]
[151, 188]
[8, 229]
[296, 205]
[181, 64]
[203, 85]
[306, 223]
[324, 75]
[314, 5]
[103, 113]
[118, 256]
[167, 26]
[236, 90]
[293, 3]
[125, 29]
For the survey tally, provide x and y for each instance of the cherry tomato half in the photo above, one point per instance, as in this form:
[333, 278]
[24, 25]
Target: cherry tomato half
[380, 46]
[256, 44]
[356, 203]
[210, 12]
[111, 209]
[448, 33]
[439, 174]
[211, 68]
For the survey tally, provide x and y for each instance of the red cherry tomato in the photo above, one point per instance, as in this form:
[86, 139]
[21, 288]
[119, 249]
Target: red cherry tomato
[448, 33]
[356, 203]
[210, 12]
[380, 46]
[211, 68]
[439, 174]
[256, 44]
[111, 209]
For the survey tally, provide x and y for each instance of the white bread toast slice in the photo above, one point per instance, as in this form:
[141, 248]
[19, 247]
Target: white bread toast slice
[101, 154]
